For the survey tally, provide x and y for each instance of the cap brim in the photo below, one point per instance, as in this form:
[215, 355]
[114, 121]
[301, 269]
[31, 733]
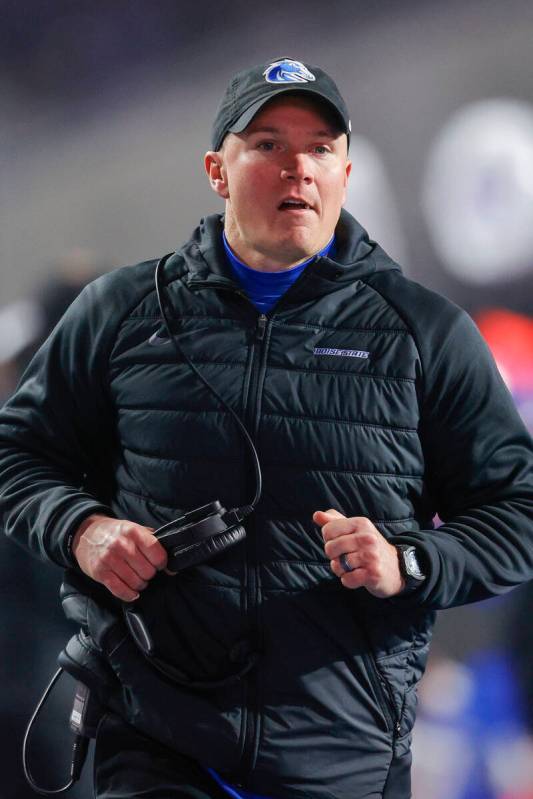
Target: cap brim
[246, 117]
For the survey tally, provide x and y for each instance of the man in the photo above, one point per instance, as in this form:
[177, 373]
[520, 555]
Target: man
[373, 404]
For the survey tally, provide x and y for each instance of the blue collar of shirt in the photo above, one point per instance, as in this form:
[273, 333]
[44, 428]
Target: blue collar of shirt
[240, 265]
[264, 289]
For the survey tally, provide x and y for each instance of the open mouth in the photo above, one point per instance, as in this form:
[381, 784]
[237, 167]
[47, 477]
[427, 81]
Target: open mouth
[294, 205]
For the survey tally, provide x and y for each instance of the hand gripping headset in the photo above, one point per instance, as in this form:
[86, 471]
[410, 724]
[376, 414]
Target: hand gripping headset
[191, 539]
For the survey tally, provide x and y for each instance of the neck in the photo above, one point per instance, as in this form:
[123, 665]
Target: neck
[264, 260]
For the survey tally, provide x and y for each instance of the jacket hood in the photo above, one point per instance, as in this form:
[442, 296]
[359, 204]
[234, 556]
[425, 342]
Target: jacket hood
[356, 255]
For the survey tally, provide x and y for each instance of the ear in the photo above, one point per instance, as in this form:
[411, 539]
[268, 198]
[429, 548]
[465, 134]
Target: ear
[346, 177]
[216, 173]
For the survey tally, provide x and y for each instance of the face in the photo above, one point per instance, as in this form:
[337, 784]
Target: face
[284, 181]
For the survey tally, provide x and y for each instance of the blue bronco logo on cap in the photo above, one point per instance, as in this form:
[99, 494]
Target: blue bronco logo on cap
[288, 71]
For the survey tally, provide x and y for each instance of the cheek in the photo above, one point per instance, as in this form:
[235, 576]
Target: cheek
[334, 192]
[253, 192]
[246, 186]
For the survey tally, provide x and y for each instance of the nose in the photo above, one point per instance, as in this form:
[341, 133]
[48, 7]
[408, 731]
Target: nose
[298, 168]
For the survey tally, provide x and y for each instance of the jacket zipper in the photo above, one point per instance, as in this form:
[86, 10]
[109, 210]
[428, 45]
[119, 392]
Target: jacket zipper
[250, 576]
[385, 697]
[252, 582]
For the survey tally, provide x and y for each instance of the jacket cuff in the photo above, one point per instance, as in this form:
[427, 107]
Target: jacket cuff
[58, 545]
[428, 556]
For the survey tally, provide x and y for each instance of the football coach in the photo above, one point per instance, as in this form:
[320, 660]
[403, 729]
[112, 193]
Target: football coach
[373, 404]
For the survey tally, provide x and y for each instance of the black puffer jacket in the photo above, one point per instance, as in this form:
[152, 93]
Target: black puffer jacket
[416, 421]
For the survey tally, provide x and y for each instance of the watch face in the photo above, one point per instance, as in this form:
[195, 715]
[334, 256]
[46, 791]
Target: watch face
[411, 564]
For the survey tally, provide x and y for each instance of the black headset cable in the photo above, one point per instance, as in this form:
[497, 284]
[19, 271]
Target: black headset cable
[245, 510]
[79, 748]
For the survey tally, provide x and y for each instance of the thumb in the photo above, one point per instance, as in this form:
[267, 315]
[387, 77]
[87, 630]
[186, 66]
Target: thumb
[324, 516]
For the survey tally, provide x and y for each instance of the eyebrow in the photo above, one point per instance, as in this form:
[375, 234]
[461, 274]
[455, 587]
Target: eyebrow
[269, 129]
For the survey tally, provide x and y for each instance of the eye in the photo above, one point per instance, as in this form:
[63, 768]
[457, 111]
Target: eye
[266, 146]
[321, 149]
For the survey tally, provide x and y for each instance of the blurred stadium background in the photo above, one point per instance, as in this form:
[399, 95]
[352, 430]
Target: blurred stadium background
[106, 110]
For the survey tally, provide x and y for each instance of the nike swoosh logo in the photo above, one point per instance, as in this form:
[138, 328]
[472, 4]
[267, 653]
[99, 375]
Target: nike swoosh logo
[155, 340]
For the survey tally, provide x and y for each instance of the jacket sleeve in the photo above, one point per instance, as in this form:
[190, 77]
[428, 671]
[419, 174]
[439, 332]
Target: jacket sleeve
[478, 466]
[55, 432]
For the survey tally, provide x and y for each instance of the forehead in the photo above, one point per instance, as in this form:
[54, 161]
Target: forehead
[296, 109]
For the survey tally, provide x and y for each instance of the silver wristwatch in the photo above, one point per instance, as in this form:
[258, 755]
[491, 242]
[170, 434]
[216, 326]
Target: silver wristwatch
[409, 567]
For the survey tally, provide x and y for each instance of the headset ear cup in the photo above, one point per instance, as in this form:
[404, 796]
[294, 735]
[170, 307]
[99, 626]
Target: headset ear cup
[206, 549]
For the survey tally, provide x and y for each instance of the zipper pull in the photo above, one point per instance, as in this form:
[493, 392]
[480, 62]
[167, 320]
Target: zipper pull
[261, 326]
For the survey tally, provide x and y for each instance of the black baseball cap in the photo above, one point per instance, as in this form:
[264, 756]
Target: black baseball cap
[250, 89]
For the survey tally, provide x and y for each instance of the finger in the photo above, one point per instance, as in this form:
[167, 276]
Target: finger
[128, 575]
[354, 524]
[151, 548]
[356, 579]
[141, 566]
[353, 560]
[337, 527]
[321, 517]
[119, 588]
[334, 547]
[350, 542]
[115, 560]
[126, 549]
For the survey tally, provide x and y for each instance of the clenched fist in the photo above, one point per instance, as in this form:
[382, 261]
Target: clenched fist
[374, 561]
[120, 554]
